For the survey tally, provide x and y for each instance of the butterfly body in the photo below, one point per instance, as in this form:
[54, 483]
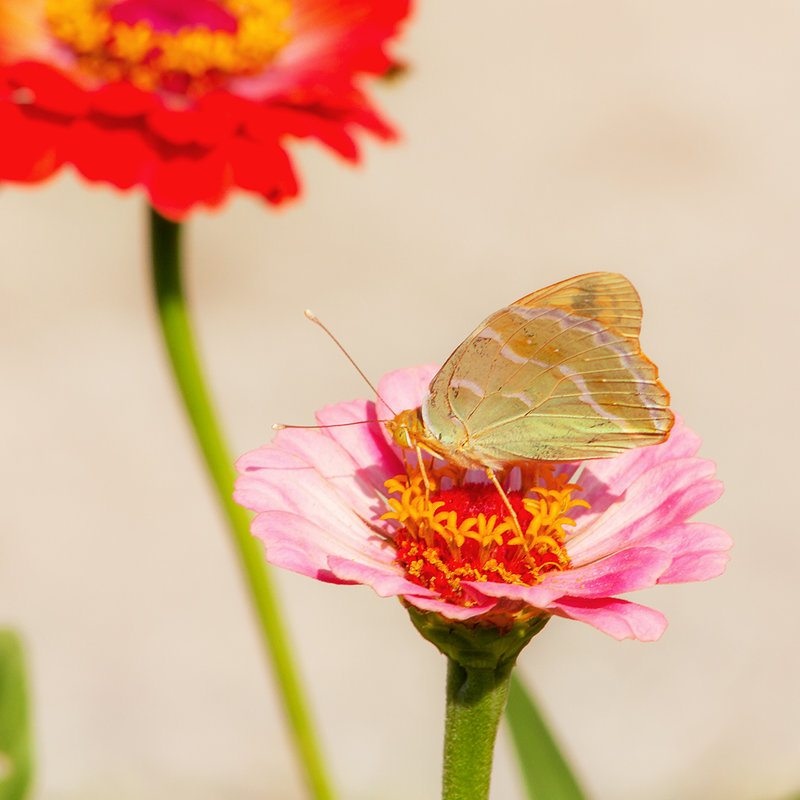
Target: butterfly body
[556, 376]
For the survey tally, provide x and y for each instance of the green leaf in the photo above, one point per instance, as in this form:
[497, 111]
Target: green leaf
[545, 771]
[16, 763]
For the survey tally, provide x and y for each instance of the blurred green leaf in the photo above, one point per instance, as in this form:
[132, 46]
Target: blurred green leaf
[545, 771]
[16, 764]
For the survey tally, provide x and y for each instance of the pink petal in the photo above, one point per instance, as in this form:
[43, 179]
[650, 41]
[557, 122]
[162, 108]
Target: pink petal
[698, 551]
[695, 567]
[296, 543]
[253, 487]
[614, 475]
[668, 493]
[449, 610]
[317, 449]
[366, 443]
[385, 580]
[538, 596]
[267, 456]
[284, 482]
[624, 571]
[403, 389]
[618, 618]
[338, 467]
[688, 537]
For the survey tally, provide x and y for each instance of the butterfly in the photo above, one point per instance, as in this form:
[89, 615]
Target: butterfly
[556, 376]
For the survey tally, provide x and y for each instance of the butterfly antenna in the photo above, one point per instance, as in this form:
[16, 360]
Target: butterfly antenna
[313, 317]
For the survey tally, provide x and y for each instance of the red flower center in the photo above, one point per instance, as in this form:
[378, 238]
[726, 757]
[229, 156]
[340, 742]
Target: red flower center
[182, 46]
[173, 16]
[465, 532]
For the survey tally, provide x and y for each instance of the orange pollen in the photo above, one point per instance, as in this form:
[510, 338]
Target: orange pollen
[127, 40]
[464, 531]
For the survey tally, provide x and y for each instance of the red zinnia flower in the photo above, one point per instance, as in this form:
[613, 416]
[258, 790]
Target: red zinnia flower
[187, 98]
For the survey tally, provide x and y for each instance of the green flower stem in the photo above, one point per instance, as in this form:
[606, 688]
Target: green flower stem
[476, 698]
[175, 325]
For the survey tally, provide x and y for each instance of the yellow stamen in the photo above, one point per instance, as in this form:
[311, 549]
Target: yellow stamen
[116, 50]
[440, 544]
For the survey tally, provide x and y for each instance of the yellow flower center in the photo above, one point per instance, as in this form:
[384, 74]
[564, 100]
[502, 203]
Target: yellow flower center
[191, 55]
[453, 531]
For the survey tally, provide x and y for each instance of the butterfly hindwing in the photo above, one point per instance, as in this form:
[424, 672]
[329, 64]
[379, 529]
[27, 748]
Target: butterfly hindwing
[558, 375]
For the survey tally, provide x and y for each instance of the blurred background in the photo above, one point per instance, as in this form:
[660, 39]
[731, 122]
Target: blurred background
[541, 139]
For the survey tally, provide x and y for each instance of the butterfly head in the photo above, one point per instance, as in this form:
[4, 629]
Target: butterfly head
[407, 428]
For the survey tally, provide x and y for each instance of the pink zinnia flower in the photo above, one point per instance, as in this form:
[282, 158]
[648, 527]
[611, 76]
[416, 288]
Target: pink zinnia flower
[187, 99]
[346, 505]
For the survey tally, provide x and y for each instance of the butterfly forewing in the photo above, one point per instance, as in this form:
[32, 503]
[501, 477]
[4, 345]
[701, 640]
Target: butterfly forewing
[606, 297]
[558, 375]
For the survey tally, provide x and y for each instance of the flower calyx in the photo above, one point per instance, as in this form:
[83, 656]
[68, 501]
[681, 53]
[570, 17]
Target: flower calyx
[477, 645]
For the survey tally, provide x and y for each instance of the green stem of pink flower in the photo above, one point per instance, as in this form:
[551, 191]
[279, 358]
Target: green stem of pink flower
[175, 324]
[476, 698]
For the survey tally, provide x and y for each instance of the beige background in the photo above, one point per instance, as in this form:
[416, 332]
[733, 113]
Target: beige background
[543, 138]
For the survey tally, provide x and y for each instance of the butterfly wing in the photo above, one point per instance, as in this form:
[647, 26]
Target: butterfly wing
[557, 376]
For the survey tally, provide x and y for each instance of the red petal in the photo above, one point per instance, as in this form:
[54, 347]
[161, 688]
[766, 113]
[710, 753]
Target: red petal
[202, 125]
[108, 150]
[123, 100]
[304, 123]
[264, 169]
[350, 34]
[52, 90]
[32, 143]
[185, 177]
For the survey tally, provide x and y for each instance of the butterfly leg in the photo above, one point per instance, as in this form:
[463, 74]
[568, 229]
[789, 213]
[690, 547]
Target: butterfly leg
[493, 478]
[425, 478]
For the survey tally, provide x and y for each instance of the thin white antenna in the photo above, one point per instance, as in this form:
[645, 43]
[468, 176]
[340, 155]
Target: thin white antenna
[310, 315]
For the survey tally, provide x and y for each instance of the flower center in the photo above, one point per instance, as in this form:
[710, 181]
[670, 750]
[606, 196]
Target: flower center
[459, 531]
[186, 46]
